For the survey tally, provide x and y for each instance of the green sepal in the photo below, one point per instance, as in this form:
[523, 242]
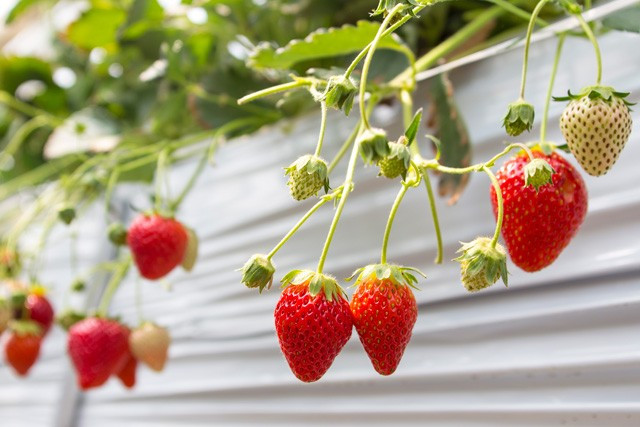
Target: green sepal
[25, 327]
[373, 145]
[606, 93]
[397, 274]
[570, 6]
[520, 116]
[313, 165]
[412, 130]
[258, 272]
[480, 258]
[78, 286]
[66, 214]
[538, 172]
[117, 234]
[317, 283]
[68, 318]
[385, 6]
[339, 93]
[10, 262]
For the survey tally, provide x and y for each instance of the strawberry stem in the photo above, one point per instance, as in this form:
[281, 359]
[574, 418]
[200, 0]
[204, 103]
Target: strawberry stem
[498, 190]
[323, 126]
[345, 146]
[554, 72]
[532, 23]
[274, 89]
[589, 33]
[113, 285]
[160, 179]
[392, 215]
[299, 224]
[367, 63]
[346, 189]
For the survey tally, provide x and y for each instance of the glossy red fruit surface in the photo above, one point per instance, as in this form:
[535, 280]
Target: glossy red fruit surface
[98, 349]
[40, 311]
[158, 244]
[384, 314]
[311, 330]
[22, 351]
[539, 225]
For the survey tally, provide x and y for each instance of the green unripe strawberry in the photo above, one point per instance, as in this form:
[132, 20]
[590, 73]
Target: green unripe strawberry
[307, 176]
[397, 162]
[596, 125]
[482, 265]
[258, 272]
[374, 146]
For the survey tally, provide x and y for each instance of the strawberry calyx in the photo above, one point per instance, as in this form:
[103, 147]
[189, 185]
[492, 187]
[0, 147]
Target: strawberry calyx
[606, 93]
[519, 117]
[25, 327]
[68, 318]
[339, 93]
[258, 272]
[538, 172]
[373, 145]
[396, 274]
[482, 264]
[317, 283]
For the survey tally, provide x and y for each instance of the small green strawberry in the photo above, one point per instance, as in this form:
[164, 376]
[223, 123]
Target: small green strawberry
[258, 272]
[482, 265]
[397, 162]
[117, 234]
[66, 214]
[339, 93]
[307, 175]
[596, 125]
[519, 117]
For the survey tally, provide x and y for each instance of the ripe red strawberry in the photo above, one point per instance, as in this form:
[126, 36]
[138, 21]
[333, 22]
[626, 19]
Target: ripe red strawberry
[23, 346]
[538, 224]
[98, 349]
[149, 343]
[313, 323]
[158, 244]
[39, 309]
[384, 313]
[127, 374]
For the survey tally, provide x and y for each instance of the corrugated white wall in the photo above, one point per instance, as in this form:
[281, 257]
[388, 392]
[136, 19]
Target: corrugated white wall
[560, 347]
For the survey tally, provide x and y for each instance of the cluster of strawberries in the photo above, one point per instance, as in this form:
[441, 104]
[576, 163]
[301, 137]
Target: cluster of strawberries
[100, 347]
[26, 317]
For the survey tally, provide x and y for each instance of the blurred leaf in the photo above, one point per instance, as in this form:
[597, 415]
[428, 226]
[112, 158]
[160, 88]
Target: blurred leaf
[143, 15]
[322, 43]
[455, 149]
[96, 28]
[16, 70]
[624, 20]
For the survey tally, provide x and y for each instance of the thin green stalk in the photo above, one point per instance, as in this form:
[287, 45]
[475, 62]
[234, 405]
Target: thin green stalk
[496, 187]
[273, 90]
[554, 72]
[478, 166]
[323, 126]
[160, 175]
[434, 215]
[348, 182]
[23, 132]
[388, 31]
[532, 23]
[27, 109]
[345, 146]
[112, 286]
[447, 46]
[516, 11]
[367, 63]
[392, 216]
[296, 227]
[589, 32]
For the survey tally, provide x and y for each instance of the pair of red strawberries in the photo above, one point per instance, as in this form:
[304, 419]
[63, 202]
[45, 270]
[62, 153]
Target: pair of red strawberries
[314, 320]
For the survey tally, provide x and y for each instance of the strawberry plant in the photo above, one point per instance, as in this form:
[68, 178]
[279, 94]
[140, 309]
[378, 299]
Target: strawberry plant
[189, 86]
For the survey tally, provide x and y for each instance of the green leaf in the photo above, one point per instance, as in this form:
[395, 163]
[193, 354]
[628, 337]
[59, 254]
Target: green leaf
[143, 15]
[455, 149]
[96, 28]
[624, 20]
[322, 43]
[21, 7]
[412, 129]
